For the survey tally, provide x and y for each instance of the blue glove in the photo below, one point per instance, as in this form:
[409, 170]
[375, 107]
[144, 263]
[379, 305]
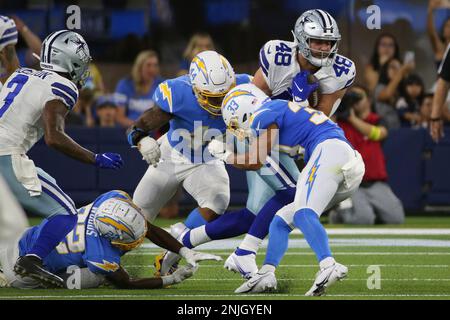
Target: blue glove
[301, 89]
[108, 160]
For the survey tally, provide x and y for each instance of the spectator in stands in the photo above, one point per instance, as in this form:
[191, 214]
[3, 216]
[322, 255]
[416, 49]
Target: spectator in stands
[374, 201]
[412, 92]
[134, 93]
[440, 95]
[425, 109]
[199, 42]
[387, 90]
[386, 48]
[106, 111]
[438, 41]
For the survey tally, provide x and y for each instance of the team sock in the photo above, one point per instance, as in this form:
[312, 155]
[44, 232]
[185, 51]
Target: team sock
[52, 233]
[316, 236]
[260, 227]
[195, 219]
[278, 241]
[228, 225]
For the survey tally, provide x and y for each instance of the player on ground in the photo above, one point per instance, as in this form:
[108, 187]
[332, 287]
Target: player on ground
[106, 230]
[316, 40]
[34, 103]
[8, 40]
[191, 104]
[332, 173]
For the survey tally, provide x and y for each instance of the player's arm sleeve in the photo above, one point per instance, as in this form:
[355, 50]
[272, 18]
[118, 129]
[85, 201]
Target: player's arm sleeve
[103, 265]
[343, 76]
[263, 118]
[267, 65]
[444, 68]
[64, 91]
[243, 78]
[165, 97]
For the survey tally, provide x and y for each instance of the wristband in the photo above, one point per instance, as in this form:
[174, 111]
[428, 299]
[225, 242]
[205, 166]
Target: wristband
[375, 133]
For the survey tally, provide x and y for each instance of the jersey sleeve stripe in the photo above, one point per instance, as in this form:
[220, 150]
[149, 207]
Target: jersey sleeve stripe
[68, 90]
[263, 62]
[68, 100]
[349, 83]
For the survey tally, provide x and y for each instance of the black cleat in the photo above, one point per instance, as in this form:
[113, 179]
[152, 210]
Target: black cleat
[31, 266]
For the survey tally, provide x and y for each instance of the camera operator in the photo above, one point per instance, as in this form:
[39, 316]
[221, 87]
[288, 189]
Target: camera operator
[374, 201]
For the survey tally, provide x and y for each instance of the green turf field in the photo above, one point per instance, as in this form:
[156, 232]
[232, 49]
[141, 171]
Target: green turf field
[413, 262]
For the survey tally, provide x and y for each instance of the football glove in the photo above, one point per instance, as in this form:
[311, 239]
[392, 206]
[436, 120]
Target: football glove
[192, 257]
[150, 151]
[301, 88]
[108, 160]
[179, 275]
[218, 150]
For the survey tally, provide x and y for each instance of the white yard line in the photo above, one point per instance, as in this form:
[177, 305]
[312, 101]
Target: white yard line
[111, 296]
[225, 253]
[315, 265]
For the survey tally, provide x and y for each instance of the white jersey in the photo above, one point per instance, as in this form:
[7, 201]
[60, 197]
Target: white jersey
[22, 101]
[278, 61]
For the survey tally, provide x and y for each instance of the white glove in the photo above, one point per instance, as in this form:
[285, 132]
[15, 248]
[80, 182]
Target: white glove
[192, 257]
[150, 151]
[218, 150]
[179, 275]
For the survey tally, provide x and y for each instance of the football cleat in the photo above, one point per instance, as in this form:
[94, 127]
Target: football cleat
[245, 265]
[31, 266]
[167, 262]
[326, 277]
[260, 282]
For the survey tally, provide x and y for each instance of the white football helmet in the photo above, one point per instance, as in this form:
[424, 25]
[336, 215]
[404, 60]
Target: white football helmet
[66, 51]
[316, 24]
[122, 222]
[212, 76]
[8, 32]
[238, 107]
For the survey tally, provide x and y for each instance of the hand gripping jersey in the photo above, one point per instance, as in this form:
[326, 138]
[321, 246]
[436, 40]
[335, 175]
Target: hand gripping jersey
[83, 246]
[279, 65]
[22, 101]
[191, 127]
[299, 128]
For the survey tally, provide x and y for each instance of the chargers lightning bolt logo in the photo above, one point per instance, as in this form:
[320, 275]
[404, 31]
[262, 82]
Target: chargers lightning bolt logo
[312, 176]
[166, 93]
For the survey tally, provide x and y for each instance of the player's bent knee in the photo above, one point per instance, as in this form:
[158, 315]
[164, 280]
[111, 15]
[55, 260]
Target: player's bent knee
[278, 224]
[304, 214]
[208, 214]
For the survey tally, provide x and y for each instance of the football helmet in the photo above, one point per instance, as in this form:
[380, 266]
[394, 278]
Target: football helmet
[238, 107]
[8, 32]
[122, 222]
[66, 51]
[316, 24]
[211, 77]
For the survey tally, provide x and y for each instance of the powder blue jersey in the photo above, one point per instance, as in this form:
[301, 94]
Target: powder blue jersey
[83, 246]
[299, 127]
[191, 127]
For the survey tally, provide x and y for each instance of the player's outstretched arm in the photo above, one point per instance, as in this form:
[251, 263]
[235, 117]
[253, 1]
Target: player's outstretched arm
[260, 82]
[259, 149]
[55, 137]
[327, 101]
[122, 280]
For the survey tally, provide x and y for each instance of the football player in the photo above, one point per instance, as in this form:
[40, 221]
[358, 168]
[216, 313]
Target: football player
[332, 173]
[191, 104]
[316, 40]
[34, 103]
[8, 40]
[106, 229]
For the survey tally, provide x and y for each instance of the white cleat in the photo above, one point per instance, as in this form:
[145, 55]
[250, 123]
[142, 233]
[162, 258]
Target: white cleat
[260, 282]
[326, 277]
[167, 262]
[245, 265]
